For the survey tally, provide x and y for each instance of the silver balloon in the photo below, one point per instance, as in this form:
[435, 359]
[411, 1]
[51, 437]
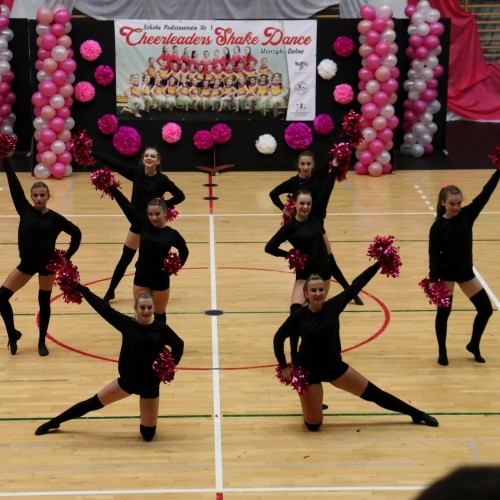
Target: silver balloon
[390, 60]
[437, 51]
[70, 78]
[434, 107]
[6, 129]
[383, 158]
[5, 55]
[387, 110]
[42, 75]
[419, 85]
[408, 85]
[412, 74]
[417, 150]
[431, 128]
[4, 67]
[432, 61]
[423, 5]
[41, 171]
[4, 10]
[67, 27]
[432, 16]
[7, 33]
[418, 128]
[11, 119]
[417, 64]
[3, 44]
[41, 29]
[388, 35]
[410, 138]
[426, 118]
[423, 29]
[70, 123]
[39, 123]
[412, 29]
[425, 139]
[413, 95]
[417, 18]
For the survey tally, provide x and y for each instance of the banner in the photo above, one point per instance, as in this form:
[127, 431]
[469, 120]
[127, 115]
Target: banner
[216, 70]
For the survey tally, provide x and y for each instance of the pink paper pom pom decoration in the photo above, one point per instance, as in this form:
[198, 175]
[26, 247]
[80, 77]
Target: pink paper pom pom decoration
[343, 93]
[108, 124]
[104, 75]
[266, 144]
[127, 141]
[84, 91]
[203, 140]
[298, 135]
[323, 124]
[171, 132]
[221, 133]
[90, 50]
[343, 46]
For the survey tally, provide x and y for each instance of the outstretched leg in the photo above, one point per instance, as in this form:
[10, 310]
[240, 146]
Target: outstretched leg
[441, 325]
[149, 417]
[484, 310]
[120, 270]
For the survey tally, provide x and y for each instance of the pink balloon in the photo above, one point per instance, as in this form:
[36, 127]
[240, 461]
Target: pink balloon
[47, 135]
[364, 97]
[63, 112]
[387, 168]
[37, 99]
[47, 159]
[42, 54]
[4, 21]
[36, 135]
[360, 169]
[375, 169]
[436, 28]
[428, 95]
[385, 135]
[395, 72]
[368, 12]
[59, 77]
[431, 41]
[416, 41]
[372, 61]
[65, 158]
[410, 10]
[428, 149]
[369, 110]
[438, 71]
[382, 48]
[380, 98]
[379, 123]
[68, 102]
[48, 41]
[376, 147]
[365, 50]
[49, 65]
[38, 65]
[432, 83]
[410, 117]
[57, 30]
[419, 106]
[57, 124]
[42, 146]
[65, 136]
[422, 53]
[361, 85]
[410, 52]
[390, 86]
[382, 74]
[366, 157]
[5, 110]
[372, 38]
[66, 90]
[67, 65]
[392, 122]
[365, 74]
[47, 88]
[44, 15]
[64, 41]
[380, 24]
[47, 113]
[364, 26]
[62, 16]
[58, 170]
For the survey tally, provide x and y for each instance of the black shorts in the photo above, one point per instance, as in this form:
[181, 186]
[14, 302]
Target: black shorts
[459, 276]
[30, 269]
[158, 283]
[329, 375]
[149, 392]
[136, 228]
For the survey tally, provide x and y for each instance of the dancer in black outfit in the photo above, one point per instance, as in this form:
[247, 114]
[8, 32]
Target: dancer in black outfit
[148, 183]
[156, 240]
[311, 178]
[143, 339]
[450, 259]
[317, 325]
[39, 228]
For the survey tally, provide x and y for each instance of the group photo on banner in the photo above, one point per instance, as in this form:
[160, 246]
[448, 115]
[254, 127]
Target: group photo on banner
[209, 70]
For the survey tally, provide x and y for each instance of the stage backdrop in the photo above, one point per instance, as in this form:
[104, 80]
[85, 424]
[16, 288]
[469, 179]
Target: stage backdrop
[240, 150]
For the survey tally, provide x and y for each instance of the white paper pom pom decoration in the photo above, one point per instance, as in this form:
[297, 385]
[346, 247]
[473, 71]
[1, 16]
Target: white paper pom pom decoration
[327, 69]
[266, 144]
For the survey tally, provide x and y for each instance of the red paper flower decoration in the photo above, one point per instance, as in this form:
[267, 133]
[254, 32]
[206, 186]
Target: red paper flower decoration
[298, 135]
[203, 140]
[221, 133]
[127, 141]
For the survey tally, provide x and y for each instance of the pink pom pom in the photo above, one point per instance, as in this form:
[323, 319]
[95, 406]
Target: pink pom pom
[164, 366]
[172, 213]
[203, 140]
[343, 46]
[108, 124]
[172, 264]
[296, 260]
[351, 126]
[57, 262]
[383, 250]
[289, 207]
[127, 141]
[7, 145]
[342, 154]
[495, 157]
[104, 75]
[67, 279]
[90, 50]
[81, 146]
[102, 180]
[438, 294]
[298, 378]
[221, 133]
[298, 135]
[171, 132]
[343, 93]
[323, 124]
[84, 91]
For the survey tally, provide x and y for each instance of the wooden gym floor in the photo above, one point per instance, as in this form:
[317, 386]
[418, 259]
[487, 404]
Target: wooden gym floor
[228, 429]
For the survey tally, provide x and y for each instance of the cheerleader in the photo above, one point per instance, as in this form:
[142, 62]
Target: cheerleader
[134, 96]
[158, 94]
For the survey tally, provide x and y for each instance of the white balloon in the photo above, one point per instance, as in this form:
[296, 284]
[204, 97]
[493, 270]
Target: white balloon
[69, 170]
[419, 85]
[408, 85]
[425, 139]
[432, 128]
[6, 55]
[4, 44]
[383, 158]
[41, 29]
[4, 67]
[412, 29]
[70, 78]
[423, 5]
[69, 123]
[432, 16]
[423, 29]
[427, 74]
[426, 117]
[417, 150]
[417, 64]
[6, 129]
[390, 60]
[437, 51]
[417, 18]
[4, 10]
[432, 61]
[434, 107]
[388, 35]
[369, 134]
[413, 95]
[412, 74]
[418, 128]
[384, 11]
[42, 75]
[39, 123]
[387, 110]
[41, 172]
[67, 27]
[57, 147]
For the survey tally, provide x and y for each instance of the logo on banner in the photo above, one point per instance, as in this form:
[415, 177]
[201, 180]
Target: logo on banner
[301, 65]
[301, 88]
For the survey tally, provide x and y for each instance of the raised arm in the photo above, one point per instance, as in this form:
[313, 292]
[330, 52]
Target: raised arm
[483, 197]
[320, 205]
[127, 171]
[16, 190]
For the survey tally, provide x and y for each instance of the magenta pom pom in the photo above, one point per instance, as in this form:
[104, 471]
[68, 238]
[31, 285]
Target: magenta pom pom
[102, 180]
[84, 91]
[343, 93]
[104, 75]
[172, 264]
[90, 50]
[289, 207]
[172, 213]
[164, 366]
[108, 124]
[57, 262]
[221, 133]
[171, 132]
[296, 260]
[7, 145]
[298, 135]
[298, 378]
[203, 140]
[342, 153]
[439, 294]
[81, 146]
[67, 279]
[382, 249]
[351, 126]
[495, 157]
[343, 46]
[323, 124]
[127, 141]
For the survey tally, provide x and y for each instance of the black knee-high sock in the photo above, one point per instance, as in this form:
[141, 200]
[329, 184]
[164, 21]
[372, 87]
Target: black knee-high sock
[6, 310]
[44, 318]
[441, 325]
[336, 272]
[484, 310]
[78, 410]
[147, 433]
[161, 317]
[120, 269]
[294, 339]
[388, 401]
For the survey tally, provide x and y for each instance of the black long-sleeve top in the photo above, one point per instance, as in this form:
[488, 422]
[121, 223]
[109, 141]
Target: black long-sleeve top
[38, 232]
[141, 344]
[450, 240]
[307, 236]
[144, 187]
[293, 184]
[319, 332]
[155, 243]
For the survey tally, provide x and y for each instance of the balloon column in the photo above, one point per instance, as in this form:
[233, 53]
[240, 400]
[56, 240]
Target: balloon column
[422, 82]
[53, 99]
[377, 90]
[7, 98]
